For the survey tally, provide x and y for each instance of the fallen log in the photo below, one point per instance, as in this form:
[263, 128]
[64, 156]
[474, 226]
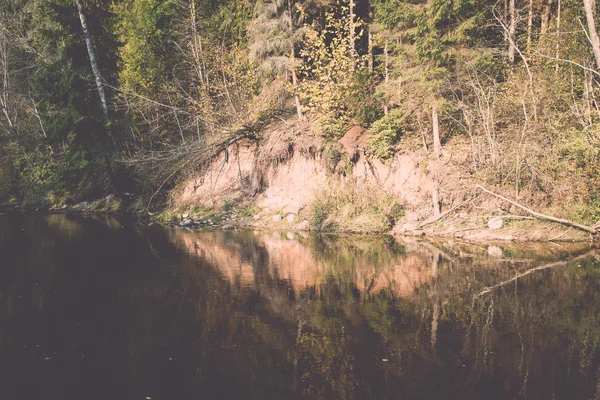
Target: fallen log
[591, 229]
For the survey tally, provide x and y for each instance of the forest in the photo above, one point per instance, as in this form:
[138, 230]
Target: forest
[103, 97]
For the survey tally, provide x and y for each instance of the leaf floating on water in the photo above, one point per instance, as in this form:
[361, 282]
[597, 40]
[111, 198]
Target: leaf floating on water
[47, 358]
[384, 359]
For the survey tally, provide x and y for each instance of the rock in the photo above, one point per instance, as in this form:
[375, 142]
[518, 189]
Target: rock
[276, 218]
[291, 209]
[185, 216]
[496, 223]
[412, 216]
[290, 236]
[256, 217]
[495, 251]
[290, 218]
[302, 226]
[64, 207]
[188, 222]
[228, 227]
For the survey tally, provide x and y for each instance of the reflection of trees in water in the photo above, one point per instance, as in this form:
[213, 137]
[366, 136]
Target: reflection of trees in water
[275, 316]
[537, 329]
[410, 304]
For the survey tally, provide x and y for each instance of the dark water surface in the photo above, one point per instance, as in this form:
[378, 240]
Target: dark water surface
[95, 308]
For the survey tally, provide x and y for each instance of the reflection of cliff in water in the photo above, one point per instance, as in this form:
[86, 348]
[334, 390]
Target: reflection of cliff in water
[256, 262]
[493, 321]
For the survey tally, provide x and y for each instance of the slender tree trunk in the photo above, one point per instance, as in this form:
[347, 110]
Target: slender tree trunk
[387, 71]
[196, 46]
[512, 29]
[4, 71]
[505, 18]
[529, 26]
[295, 84]
[557, 35]
[101, 93]
[352, 27]
[293, 59]
[546, 17]
[370, 51]
[590, 6]
[92, 57]
[437, 144]
[95, 68]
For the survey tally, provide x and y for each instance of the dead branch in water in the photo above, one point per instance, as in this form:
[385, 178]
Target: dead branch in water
[532, 270]
[593, 230]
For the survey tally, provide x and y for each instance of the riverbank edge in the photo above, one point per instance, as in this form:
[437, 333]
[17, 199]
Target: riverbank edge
[520, 230]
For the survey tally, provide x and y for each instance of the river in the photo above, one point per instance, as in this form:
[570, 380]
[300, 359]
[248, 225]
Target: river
[92, 307]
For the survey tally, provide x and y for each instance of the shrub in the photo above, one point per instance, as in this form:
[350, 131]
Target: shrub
[354, 206]
[361, 98]
[386, 133]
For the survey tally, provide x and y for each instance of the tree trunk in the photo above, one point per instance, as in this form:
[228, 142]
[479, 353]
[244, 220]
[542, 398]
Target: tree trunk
[101, 93]
[512, 29]
[387, 72]
[546, 17]
[505, 18]
[590, 6]
[352, 28]
[557, 35]
[295, 84]
[529, 26]
[293, 58]
[92, 57]
[370, 51]
[95, 68]
[4, 72]
[437, 144]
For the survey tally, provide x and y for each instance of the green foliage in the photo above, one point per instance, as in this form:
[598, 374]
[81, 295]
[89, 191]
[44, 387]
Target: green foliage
[318, 213]
[271, 36]
[230, 21]
[332, 125]
[362, 100]
[331, 155]
[395, 14]
[446, 25]
[146, 29]
[354, 206]
[327, 74]
[386, 133]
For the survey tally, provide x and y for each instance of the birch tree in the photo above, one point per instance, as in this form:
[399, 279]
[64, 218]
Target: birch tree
[590, 8]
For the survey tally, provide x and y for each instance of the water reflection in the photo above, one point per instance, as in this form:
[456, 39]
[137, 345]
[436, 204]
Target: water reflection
[137, 312]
